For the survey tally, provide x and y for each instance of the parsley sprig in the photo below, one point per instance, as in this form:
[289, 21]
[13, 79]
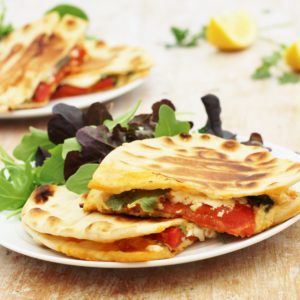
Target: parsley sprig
[183, 37]
[271, 64]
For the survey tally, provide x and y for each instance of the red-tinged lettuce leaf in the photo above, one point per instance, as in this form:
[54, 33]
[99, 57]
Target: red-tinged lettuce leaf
[96, 114]
[40, 156]
[156, 107]
[256, 140]
[67, 120]
[214, 122]
[95, 143]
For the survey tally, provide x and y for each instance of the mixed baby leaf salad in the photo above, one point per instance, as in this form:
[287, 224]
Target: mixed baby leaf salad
[76, 142]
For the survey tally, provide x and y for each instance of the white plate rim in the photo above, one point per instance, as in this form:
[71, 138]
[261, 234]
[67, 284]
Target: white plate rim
[179, 259]
[81, 101]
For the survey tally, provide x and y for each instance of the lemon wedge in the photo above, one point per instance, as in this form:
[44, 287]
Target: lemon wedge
[234, 31]
[292, 56]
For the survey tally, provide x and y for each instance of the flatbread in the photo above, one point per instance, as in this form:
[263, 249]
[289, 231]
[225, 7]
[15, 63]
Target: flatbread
[55, 210]
[54, 218]
[89, 250]
[31, 54]
[198, 163]
[126, 63]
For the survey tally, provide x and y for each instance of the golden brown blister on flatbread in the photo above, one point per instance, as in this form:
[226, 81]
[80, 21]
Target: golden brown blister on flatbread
[26, 64]
[198, 163]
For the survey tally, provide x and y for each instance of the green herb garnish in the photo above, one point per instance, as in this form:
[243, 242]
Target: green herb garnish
[289, 77]
[70, 144]
[183, 38]
[78, 182]
[268, 62]
[168, 125]
[5, 29]
[26, 150]
[122, 120]
[147, 200]
[67, 9]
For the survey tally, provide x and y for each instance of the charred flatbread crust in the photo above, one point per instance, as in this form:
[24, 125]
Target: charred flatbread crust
[198, 163]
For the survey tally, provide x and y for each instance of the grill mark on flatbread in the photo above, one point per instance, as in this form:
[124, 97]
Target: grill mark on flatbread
[42, 52]
[218, 168]
[15, 49]
[42, 193]
[207, 163]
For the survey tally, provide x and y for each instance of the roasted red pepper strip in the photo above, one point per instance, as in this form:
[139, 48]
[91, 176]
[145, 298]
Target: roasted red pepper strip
[44, 90]
[68, 90]
[172, 236]
[238, 220]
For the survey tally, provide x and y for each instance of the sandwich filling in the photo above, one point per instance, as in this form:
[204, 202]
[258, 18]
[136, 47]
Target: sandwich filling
[234, 216]
[45, 88]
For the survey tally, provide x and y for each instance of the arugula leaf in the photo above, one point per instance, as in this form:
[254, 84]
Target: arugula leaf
[5, 29]
[168, 125]
[147, 203]
[122, 120]
[289, 77]
[115, 203]
[52, 170]
[179, 34]
[5, 158]
[64, 9]
[30, 142]
[146, 199]
[70, 144]
[183, 38]
[16, 185]
[78, 182]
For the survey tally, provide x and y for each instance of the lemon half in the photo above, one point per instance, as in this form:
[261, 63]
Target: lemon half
[292, 56]
[234, 31]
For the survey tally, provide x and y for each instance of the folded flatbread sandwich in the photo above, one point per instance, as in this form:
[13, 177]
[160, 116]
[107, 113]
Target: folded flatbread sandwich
[104, 67]
[36, 57]
[54, 218]
[214, 183]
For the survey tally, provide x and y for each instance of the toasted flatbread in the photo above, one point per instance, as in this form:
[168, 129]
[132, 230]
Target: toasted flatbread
[53, 216]
[215, 183]
[117, 252]
[32, 54]
[199, 163]
[124, 63]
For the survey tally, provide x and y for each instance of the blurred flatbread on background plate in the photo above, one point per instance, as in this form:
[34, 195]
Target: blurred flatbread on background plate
[33, 55]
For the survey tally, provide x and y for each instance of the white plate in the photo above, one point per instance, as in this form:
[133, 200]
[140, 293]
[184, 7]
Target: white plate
[12, 236]
[78, 101]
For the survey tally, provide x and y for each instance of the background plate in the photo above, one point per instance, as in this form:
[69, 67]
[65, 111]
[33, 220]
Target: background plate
[12, 236]
[78, 101]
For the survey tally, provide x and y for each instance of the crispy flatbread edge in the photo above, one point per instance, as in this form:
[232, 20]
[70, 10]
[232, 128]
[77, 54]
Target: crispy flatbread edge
[89, 250]
[278, 214]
